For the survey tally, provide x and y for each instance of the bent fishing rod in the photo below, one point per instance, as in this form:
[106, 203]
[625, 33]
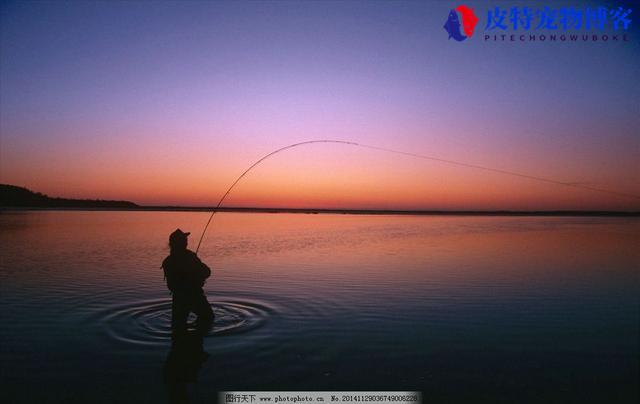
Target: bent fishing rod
[416, 155]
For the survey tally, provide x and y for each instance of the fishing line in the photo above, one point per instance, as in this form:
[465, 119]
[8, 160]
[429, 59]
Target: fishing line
[497, 170]
[421, 156]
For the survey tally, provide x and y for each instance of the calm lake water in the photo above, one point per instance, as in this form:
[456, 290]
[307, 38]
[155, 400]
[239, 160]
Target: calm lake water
[501, 309]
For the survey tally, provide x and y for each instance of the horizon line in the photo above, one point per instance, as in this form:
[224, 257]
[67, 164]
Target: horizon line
[408, 212]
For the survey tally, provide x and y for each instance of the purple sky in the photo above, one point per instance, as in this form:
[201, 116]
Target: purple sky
[167, 102]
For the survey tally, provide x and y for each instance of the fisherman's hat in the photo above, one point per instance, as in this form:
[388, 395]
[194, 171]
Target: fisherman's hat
[178, 235]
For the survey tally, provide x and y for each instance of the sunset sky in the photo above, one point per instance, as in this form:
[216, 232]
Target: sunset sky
[168, 102]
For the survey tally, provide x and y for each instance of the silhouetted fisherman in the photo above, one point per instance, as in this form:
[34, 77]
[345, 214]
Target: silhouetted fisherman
[185, 275]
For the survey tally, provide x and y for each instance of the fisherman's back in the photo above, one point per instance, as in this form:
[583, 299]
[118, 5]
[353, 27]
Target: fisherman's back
[185, 272]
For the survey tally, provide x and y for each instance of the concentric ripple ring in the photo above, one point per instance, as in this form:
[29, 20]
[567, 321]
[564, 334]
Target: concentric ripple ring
[149, 322]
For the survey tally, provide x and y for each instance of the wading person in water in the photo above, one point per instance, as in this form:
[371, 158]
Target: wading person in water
[185, 275]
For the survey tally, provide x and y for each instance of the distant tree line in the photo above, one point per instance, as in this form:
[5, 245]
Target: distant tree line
[20, 197]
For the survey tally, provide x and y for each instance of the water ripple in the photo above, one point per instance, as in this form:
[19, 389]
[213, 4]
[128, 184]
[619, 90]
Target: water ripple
[148, 322]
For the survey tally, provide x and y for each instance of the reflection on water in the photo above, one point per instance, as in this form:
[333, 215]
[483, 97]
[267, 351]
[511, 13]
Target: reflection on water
[478, 308]
[182, 366]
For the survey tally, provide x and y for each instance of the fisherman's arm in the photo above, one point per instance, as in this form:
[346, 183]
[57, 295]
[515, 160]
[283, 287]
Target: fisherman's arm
[206, 271]
[203, 268]
[168, 275]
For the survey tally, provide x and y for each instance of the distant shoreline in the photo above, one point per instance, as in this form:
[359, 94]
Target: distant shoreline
[15, 198]
[377, 212]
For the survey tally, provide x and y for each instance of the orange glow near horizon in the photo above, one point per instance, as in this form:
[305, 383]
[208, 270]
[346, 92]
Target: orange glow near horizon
[314, 176]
